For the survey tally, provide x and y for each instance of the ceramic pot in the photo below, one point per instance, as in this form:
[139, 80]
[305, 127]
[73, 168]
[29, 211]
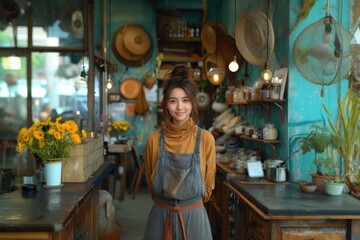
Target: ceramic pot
[334, 189]
[307, 187]
[53, 173]
[354, 188]
[319, 180]
[219, 107]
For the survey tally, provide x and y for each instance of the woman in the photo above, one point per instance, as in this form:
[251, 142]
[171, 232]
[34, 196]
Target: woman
[180, 166]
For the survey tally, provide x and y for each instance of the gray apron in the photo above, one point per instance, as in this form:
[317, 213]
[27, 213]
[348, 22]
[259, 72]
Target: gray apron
[178, 184]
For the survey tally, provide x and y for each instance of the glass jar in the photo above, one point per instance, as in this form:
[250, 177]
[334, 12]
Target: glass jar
[275, 91]
[270, 132]
[265, 91]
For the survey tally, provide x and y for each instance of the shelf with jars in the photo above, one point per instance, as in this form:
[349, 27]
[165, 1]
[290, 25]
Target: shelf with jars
[261, 141]
[178, 37]
[264, 97]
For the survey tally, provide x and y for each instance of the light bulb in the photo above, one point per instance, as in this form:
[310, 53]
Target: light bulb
[233, 66]
[109, 82]
[266, 74]
[214, 75]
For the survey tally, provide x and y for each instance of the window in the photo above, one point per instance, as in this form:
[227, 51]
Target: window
[42, 56]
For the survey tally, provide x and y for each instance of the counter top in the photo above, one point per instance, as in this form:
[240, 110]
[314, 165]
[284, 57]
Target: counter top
[48, 209]
[287, 199]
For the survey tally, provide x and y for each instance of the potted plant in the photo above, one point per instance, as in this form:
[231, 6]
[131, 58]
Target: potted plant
[51, 142]
[319, 141]
[345, 128]
[334, 187]
[307, 187]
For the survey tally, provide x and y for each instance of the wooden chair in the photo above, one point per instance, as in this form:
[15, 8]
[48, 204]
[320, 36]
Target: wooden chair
[138, 173]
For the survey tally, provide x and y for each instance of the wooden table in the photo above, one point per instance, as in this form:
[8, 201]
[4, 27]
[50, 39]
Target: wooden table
[54, 213]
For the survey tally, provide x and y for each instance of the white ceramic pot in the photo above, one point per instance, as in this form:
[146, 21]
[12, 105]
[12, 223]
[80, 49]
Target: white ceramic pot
[219, 107]
[334, 189]
[53, 173]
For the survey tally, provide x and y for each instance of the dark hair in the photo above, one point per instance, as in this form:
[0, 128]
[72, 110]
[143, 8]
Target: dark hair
[179, 77]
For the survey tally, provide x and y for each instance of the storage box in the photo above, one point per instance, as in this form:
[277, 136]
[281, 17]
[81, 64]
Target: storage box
[77, 169]
[84, 159]
[98, 158]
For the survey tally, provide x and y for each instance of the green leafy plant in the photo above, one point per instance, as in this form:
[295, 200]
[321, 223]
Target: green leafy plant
[336, 180]
[318, 140]
[346, 131]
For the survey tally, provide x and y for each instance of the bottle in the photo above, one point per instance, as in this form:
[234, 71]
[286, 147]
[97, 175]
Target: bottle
[197, 31]
[265, 90]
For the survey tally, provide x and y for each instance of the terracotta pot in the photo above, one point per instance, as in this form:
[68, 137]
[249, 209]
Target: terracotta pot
[354, 187]
[319, 180]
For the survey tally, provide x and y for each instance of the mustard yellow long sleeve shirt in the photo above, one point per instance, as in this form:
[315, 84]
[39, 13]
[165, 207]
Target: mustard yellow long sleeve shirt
[181, 139]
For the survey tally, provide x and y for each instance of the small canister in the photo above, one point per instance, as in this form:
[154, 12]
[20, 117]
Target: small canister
[270, 132]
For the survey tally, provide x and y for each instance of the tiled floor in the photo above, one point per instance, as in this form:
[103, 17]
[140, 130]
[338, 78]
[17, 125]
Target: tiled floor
[132, 214]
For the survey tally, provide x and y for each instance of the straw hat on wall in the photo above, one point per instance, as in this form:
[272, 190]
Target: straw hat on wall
[251, 36]
[209, 35]
[132, 45]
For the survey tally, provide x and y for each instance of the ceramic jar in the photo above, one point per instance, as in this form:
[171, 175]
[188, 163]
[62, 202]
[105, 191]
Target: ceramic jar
[270, 132]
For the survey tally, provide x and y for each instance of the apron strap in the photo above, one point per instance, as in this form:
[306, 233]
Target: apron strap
[162, 139]
[198, 139]
[167, 235]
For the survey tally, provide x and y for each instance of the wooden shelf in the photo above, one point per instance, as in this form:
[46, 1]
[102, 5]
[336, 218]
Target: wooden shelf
[264, 103]
[181, 59]
[242, 136]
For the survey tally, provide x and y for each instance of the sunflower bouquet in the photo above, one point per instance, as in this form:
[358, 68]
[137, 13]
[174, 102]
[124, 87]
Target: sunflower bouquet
[120, 128]
[49, 140]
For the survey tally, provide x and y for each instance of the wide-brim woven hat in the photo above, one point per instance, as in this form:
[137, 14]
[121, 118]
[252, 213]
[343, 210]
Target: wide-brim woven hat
[209, 35]
[227, 48]
[132, 45]
[252, 32]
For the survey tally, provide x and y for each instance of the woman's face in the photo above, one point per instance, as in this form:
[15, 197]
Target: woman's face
[179, 106]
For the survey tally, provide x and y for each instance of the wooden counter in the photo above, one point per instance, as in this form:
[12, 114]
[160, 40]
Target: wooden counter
[219, 207]
[69, 212]
[282, 211]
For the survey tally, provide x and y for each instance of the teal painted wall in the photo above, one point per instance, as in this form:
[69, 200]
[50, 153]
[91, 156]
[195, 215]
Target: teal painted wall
[304, 98]
[303, 106]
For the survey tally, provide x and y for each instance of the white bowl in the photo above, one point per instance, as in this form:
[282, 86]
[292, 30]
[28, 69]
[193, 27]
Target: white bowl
[219, 107]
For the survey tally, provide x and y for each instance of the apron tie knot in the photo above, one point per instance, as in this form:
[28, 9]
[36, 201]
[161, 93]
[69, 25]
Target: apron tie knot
[167, 235]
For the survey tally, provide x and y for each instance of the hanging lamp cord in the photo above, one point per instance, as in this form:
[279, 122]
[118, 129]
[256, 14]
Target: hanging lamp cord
[217, 25]
[267, 32]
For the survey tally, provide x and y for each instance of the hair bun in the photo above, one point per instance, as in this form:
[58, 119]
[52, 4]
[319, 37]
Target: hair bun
[180, 71]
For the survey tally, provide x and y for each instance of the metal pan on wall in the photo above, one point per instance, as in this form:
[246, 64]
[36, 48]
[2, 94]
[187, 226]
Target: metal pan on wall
[130, 88]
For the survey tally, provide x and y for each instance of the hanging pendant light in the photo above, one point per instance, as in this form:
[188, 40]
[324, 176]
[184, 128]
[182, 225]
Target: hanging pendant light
[233, 65]
[83, 74]
[215, 74]
[109, 82]
[266, 74]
